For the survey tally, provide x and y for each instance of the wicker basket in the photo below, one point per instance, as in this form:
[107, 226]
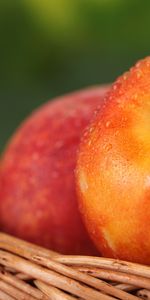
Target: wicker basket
[31, 272]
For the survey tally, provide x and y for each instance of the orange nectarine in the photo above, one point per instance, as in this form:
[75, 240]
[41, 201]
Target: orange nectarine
[113, 169]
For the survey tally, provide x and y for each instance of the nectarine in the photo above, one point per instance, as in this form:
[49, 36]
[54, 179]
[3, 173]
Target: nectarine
[38, 198]
[113, 169]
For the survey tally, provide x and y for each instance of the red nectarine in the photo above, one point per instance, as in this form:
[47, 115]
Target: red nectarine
[38, 198]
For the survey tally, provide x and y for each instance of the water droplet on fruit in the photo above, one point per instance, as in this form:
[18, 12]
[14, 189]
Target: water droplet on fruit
[83, 182]
[96, 111]
[108, 147]
[125, 76]
[107, 124]
[148, 64]
[91, 129]
[138, 64]
[85, 133]
[120, 92]
[114, 87]
[116, 132]
[119, 101]
[93, 232]
[123, 120]
[89, 143]
[138, 75]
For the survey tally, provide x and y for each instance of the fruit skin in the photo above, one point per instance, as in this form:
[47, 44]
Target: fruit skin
[113, 169]
[38, 197]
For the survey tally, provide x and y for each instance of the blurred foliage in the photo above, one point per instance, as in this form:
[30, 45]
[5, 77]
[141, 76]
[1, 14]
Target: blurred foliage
[50, 47]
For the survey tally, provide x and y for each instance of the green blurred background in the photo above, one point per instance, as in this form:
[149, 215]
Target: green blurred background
[50, 47]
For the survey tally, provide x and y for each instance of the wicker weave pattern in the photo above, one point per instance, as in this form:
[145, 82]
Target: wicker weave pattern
[31, 272]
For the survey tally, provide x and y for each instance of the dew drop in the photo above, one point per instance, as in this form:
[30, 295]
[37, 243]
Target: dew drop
[125, 76]
[91, 129]
[148, 64]
[116, 132]
[114, 87]
[107, 124]
[83, 182]
[138, 75]
[108, 147]
[85, 133]
[89, 143]
[138, 64]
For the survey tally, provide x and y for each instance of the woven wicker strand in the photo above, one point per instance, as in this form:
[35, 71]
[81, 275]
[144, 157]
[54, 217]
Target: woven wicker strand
[20, 284]
[32, 272]
[4, 296]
